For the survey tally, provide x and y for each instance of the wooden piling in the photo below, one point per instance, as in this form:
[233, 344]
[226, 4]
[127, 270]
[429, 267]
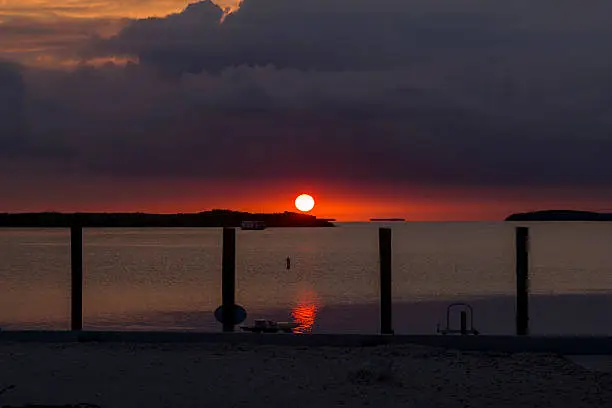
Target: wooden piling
[76, 251]
[386, 321]
[228, 281]
[522, 281]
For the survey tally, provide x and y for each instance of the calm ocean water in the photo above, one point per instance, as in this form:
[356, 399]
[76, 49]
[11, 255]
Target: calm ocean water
[170, 278]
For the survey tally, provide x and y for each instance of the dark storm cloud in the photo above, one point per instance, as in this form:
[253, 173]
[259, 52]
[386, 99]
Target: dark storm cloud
[291, 35]
[362, 35]
[413, 91]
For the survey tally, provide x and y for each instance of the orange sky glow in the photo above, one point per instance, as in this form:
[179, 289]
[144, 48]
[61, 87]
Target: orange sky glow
[133, 9]
[60, 26]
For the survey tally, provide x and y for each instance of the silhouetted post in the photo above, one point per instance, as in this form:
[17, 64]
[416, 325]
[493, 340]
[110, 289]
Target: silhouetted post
[522, 281]
[463, 322]
[76, 251]
[384, 241]
[228, 281]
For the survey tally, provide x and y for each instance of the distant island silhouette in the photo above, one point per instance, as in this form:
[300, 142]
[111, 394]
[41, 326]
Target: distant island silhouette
[560, 215]
[214, 218]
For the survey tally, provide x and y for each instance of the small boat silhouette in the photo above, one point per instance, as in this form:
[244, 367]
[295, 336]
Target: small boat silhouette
[269, 326]
[253, 225]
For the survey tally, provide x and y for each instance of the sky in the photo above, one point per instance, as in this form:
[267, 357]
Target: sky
[420, 109]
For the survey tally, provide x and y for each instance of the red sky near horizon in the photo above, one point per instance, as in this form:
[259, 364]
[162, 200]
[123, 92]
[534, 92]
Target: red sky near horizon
[342, 200]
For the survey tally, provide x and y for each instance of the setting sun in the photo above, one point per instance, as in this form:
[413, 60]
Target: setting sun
[304, 203]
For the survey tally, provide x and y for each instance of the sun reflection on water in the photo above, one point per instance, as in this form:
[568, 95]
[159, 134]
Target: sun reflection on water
[305, 312]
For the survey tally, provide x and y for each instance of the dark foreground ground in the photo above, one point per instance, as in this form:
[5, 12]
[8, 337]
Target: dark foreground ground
[215, 375]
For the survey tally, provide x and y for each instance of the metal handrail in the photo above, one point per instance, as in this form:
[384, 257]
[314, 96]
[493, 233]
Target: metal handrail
[465, 327]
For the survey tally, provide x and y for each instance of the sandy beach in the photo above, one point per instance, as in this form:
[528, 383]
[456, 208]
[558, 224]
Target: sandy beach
[219, 375]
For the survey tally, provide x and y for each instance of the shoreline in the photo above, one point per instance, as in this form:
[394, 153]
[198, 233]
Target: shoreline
[550, 315]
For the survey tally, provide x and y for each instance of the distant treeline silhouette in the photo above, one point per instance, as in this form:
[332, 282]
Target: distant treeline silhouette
[560, 215]
[214, 218]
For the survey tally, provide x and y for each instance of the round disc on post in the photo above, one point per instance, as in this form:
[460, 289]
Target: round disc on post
[239, 314]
